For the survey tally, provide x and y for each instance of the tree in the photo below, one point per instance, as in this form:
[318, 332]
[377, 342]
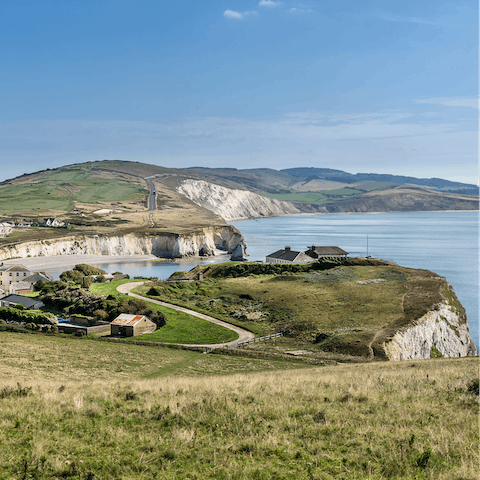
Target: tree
[88, 269]
[72, 276]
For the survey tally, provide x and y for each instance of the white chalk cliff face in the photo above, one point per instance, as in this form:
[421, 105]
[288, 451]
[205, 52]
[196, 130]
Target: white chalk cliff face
[234, 204]
[441, 329]
[209, 241]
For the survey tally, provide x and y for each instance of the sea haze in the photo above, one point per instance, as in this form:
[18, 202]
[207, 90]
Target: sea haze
[443, 242]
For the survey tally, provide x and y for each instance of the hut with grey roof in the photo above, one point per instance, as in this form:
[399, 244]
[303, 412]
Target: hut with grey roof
[287, 255]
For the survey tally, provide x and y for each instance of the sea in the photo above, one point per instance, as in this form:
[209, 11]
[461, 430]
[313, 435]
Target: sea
[445, 243]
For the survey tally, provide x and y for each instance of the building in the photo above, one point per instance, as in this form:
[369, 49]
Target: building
[318, 252]
[126, 325]
[26, 285]
[287, 255]
[13, 273]
[28, 303]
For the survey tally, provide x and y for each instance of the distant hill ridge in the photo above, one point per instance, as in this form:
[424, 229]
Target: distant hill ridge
[345, 177]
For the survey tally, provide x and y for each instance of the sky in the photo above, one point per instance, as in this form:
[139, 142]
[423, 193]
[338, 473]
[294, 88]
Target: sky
[370, 86]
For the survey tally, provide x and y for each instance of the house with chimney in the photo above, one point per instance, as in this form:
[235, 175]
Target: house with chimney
[287, 255]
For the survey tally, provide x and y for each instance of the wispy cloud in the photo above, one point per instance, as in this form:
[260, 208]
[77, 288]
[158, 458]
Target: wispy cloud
[300, 10]
[403, 19]
[268, 3]
[238, 15]
[379, 141]
[469, 102]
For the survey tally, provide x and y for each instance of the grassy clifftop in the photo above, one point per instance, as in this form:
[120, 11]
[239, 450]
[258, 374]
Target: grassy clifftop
[346, 306]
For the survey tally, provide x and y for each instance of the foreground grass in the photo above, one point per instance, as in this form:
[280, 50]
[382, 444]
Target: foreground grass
[382, 420]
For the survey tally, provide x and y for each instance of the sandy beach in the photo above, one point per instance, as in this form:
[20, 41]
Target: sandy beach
[67, 262]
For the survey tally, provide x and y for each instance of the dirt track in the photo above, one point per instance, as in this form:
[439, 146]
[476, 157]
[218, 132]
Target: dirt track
[243, 335]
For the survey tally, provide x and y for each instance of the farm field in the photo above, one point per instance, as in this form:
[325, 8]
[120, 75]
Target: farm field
[59, 189]
[171, 414]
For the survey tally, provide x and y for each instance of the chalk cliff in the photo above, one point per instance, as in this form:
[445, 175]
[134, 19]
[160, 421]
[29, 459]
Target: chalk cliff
[236, 204]
[442, 330]
[208, 241]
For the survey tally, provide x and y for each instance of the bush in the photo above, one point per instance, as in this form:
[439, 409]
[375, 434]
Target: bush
[100, 314]
[87, 270]
[72, 276]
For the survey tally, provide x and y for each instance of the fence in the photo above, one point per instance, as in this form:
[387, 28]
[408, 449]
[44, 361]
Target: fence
[260, 339]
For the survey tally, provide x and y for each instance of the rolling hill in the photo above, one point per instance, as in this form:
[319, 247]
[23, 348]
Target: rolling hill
[113, 196]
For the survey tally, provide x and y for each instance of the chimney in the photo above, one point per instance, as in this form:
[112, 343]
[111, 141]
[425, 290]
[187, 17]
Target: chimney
[287, 248]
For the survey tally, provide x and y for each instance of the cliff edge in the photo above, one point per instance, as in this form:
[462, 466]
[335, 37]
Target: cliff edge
[205, 242]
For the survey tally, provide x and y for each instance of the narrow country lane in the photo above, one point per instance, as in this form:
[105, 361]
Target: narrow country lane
[243, 335]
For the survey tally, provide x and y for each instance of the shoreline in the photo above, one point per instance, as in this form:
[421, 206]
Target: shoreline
[350, 213]
[66, 262]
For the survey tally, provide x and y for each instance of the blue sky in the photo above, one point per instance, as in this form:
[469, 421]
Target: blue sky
[370, 86]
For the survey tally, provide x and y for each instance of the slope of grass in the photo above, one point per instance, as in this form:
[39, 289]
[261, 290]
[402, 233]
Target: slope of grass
[180, 327]
[339, 309]
[59, 189]
[82, 411]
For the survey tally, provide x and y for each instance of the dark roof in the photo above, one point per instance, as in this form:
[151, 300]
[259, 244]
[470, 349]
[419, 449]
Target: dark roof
[27, 302]
[38, 276]
[326, 250]
[14, 268]
[285, 254]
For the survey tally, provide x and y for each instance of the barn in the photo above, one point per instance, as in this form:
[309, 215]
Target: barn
[126, 325]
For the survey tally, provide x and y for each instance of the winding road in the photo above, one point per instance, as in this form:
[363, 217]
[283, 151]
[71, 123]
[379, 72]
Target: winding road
[243, 335]
[152, 196]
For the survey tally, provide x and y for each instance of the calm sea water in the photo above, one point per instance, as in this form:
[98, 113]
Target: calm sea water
[444, 242]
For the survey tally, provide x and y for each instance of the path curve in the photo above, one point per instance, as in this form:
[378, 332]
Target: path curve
[243, 335]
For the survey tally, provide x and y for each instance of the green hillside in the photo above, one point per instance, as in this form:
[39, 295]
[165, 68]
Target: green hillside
[59, 189]
[83, 409]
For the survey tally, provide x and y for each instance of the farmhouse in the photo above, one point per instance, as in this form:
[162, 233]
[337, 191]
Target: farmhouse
[26, 284]
[27, 303]
[287, 255]
[13, 273]
[318, 252]
[126, 325]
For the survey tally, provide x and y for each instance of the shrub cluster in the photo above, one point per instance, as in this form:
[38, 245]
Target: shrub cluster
[76, 300]
[244, 269]
[27, 316]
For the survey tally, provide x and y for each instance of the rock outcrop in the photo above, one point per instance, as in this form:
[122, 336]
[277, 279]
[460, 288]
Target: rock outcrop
[208, 241]
[440, 332]
[235, 204]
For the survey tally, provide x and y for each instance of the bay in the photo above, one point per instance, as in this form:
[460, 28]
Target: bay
[443, 242]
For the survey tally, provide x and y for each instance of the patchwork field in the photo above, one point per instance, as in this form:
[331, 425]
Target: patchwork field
[77, 408]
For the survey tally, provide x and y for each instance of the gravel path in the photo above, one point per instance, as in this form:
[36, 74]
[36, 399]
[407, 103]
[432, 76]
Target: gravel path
[243, 335]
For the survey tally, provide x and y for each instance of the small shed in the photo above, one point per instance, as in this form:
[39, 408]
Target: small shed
[28, 303]
[287, 255]
[126, 325]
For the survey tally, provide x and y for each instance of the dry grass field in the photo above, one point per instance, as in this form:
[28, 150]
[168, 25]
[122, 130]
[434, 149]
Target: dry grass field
[83, 409]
